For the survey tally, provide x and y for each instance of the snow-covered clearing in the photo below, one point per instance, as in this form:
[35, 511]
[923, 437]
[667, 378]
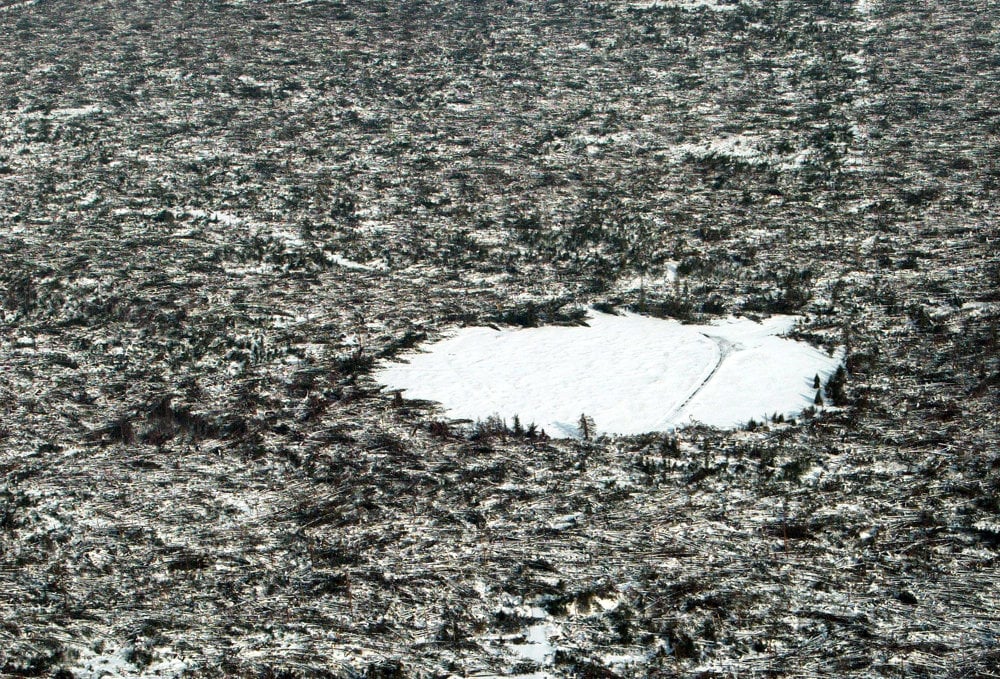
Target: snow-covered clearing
[630, 373]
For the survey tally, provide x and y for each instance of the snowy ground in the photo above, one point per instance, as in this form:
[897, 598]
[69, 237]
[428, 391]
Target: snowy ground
[631, 373]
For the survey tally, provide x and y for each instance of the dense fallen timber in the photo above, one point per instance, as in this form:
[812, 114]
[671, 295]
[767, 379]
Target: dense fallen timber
[220, 220]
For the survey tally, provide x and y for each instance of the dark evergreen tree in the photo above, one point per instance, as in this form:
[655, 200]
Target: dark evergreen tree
[836, 387]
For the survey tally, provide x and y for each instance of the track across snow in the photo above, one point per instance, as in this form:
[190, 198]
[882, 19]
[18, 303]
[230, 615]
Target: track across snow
[725, 348]
[630, 373]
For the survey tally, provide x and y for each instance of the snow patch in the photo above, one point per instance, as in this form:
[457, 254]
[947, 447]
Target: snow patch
[17, 5]
[536, 646]
[864, 7]
[119, 663]
[76, 112]
[751, 149]
[212, 216]
[652, 282]
[64, 113]
[685, 4]
[631, 374]
[346, 263]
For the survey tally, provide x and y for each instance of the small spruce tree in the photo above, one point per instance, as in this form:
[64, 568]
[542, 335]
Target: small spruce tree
[517, 429]
[586, 425]
[819, 398]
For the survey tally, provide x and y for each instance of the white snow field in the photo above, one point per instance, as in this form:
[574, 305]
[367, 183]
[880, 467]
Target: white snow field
[632, 374]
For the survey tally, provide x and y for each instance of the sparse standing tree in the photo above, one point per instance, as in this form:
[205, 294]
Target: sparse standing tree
[638, 235]
[586, 425]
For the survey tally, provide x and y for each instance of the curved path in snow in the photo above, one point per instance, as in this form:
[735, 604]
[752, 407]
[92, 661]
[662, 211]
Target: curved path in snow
[725, 349]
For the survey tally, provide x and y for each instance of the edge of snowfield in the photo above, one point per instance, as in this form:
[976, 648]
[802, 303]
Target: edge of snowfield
[631, 373]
